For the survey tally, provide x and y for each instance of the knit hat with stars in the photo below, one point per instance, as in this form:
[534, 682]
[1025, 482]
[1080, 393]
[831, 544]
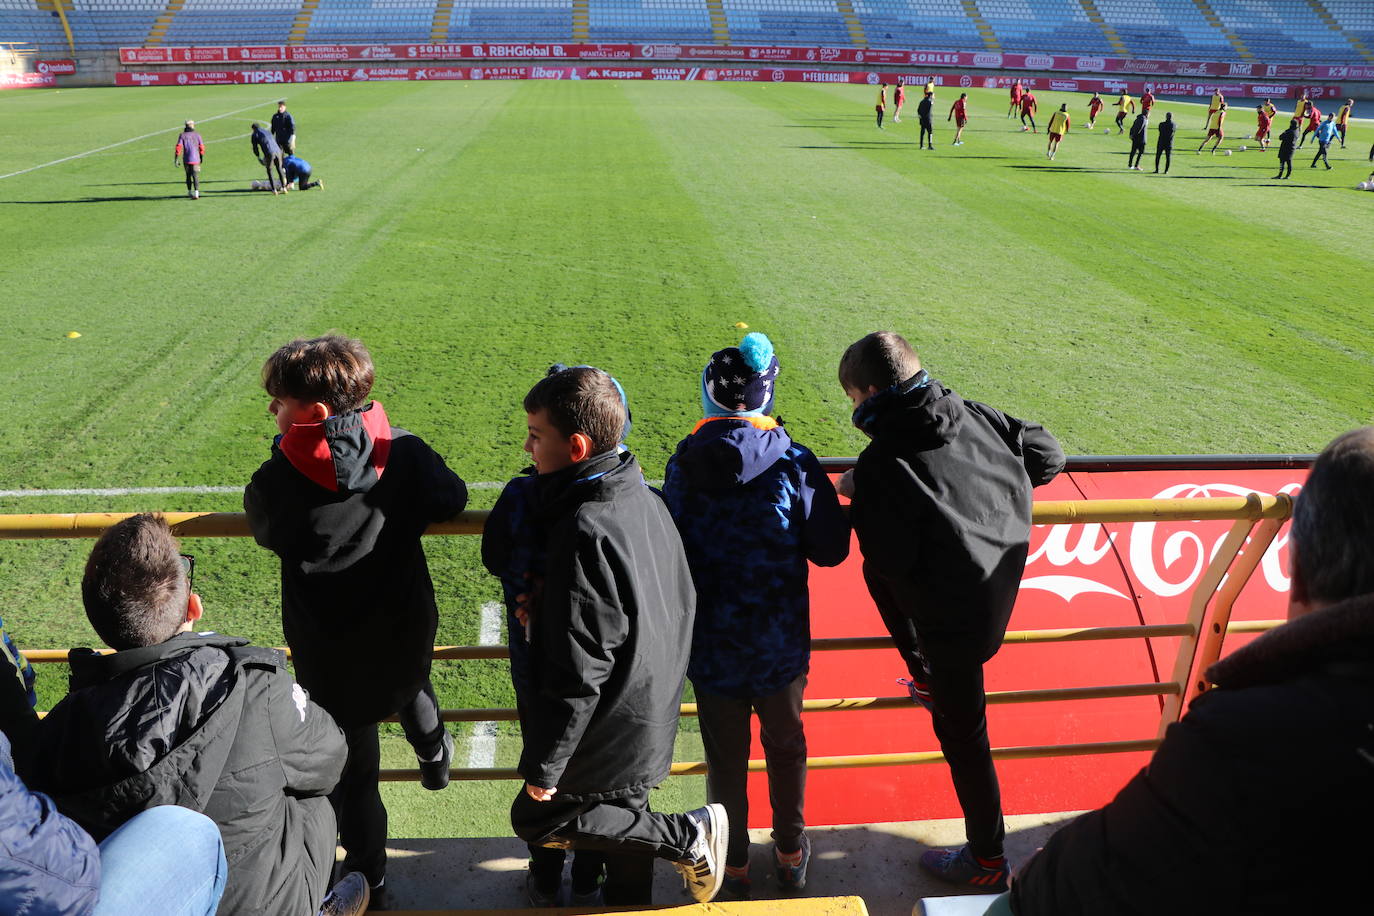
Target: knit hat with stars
[738, 381]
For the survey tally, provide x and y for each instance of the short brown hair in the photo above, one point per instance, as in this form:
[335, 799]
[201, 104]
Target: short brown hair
[332, 369]
[135, 590]
[880, 360]
[1333, 521]
[581, 400]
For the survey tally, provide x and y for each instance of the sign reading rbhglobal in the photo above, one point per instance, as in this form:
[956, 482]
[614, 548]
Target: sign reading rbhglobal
[705, 74]
[745, 55]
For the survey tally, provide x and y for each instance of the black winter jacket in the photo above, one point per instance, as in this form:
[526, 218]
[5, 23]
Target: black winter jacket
[208, 723]
[942, 504]
[1255, 800]
[610, 634]
[343, 503]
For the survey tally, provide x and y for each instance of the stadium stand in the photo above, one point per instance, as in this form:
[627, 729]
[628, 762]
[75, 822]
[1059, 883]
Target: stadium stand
[650, 20]
[214, 22]
[1044, 25]
[511, 20]
[918, 24]
[786, 22]
[22, 20]
[370, 20]
[1314, 31]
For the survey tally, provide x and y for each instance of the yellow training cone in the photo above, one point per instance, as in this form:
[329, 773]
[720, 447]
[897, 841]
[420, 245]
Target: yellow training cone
[741, 325]
[73, 334]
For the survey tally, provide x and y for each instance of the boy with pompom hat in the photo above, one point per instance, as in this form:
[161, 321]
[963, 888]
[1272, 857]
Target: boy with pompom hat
[753, 507]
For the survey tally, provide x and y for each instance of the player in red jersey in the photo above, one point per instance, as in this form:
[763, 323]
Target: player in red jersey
[1314, 120]
[1016, 93]
[898, 100]
[959, 113]
[1095, 106]
[1147, 101]
[1028, 111]
[1262, 121]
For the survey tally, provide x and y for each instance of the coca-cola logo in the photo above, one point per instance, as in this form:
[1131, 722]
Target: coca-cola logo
[1165, 559]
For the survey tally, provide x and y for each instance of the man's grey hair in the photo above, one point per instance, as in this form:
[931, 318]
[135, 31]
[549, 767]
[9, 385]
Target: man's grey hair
[1332, 538]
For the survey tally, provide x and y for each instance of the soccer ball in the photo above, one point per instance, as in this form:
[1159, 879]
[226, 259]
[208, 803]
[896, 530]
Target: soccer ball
[1244, 148]
[1228, 152]
[1365, 186]
[1106, 130]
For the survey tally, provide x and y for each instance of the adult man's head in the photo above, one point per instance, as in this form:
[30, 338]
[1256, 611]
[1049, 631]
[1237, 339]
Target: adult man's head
[281, 106]
[256, 126]
[1333, 526]
[190, 125]
[136, 589]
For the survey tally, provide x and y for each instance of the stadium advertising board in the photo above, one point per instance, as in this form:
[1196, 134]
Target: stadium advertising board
[1114, 574]
[55, 67]
[978, 60]
[688, 73]
[27, 81]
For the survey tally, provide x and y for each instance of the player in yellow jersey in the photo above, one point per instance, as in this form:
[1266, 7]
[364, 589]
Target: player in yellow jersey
[1217, 101]
[1059, 126]
[1343, 119]
[881, 107]
[1215, 128]
[1300, 111]
[1123, 104]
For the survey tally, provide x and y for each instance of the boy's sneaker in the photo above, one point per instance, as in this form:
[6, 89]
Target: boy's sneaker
[919, 691]
[737, 885]
[434, 773]
[349, 897]
[791, 869]
[538, 896]
[961, 866]
[703, 870]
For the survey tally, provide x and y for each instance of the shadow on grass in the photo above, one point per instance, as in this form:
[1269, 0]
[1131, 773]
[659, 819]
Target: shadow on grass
[178, 183]
[1063, 168]
[130, 198]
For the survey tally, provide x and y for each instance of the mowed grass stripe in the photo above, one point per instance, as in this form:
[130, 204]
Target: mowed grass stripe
[1098, 240]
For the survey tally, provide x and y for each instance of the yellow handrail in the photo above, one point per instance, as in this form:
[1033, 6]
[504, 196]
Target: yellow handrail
[1257, 519]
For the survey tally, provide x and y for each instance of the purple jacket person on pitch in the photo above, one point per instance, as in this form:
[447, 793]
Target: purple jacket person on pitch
[189, 152]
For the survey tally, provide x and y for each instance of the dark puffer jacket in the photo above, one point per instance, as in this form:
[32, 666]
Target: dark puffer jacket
[48, 865]
[609, 636]
[1258, 800]
[942, 509]
[208, 723]
[753, 507]
[343, 503]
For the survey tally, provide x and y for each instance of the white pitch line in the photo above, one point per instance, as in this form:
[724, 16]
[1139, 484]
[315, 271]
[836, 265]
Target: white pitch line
[482, 750]
[155, 133]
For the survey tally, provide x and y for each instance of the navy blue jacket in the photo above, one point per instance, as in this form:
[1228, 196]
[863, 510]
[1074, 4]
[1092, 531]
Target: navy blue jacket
[262, 141]
[752, 507]
[513, 551]
[48, 865]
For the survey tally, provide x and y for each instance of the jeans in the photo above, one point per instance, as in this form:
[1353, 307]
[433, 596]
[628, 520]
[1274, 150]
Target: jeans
[357, 800]
[165, 860]
[725, 734]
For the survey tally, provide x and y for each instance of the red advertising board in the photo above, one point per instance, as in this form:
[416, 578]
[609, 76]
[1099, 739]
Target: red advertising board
[55, 67]
[27, 81]
[1076, 576]
[977, 60]
[680, 72]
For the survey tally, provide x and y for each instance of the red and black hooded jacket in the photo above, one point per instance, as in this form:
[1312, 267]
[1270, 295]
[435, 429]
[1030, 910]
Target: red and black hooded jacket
[343, 503]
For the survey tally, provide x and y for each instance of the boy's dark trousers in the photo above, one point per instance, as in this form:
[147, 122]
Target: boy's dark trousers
[1285, 163]
[725, 734]
[624, 829]
[960, 718]
[357, 799]
[1168, 153]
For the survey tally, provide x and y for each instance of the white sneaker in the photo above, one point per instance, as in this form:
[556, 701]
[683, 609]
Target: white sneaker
[703, 871]
[195, 194]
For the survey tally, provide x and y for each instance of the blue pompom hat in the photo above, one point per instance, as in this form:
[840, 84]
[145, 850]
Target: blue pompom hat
[738, 381]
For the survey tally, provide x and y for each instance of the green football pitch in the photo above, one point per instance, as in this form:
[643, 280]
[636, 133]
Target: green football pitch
[474, 233]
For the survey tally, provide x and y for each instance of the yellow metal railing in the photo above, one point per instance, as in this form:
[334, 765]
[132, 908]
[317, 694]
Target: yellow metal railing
[1256, 520]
